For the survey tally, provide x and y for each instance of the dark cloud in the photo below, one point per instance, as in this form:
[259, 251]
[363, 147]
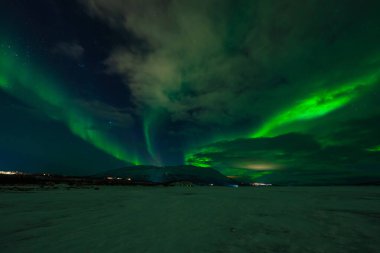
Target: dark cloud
[362, 133]
[292, 158]
[113, 116]
[71, 50]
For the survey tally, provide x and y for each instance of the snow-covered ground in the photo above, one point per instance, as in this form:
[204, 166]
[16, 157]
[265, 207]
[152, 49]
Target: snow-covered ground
[198, 219]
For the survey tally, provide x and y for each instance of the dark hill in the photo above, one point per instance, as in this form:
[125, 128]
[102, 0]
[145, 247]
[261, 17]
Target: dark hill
[168, 174]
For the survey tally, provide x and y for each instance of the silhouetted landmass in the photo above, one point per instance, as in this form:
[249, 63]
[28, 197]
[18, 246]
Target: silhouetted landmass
[149, 176]
[134, 175]
[169, 174]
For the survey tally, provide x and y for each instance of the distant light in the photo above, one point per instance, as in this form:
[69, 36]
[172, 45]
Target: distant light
[110, 178]
[129, 179]
[10, 172]
[260, 184]
[259, 165]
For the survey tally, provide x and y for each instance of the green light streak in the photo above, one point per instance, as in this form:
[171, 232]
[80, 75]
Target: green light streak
[195, 160]
[374, 149]
[147, 127]
[200, 157]
[135, 159]
[30, 85]
[317, 105]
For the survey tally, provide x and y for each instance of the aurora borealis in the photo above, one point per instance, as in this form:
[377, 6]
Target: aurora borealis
[317, 105]
[279, 91]
[16, 79]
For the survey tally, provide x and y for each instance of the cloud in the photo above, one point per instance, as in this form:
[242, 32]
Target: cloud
[283, 151]
[361, 132]
[72, 50]
[108, 114]
[223, 62]
[291, 158]
[188, 71]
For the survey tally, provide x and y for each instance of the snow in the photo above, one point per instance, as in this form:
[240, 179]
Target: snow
[191, 219]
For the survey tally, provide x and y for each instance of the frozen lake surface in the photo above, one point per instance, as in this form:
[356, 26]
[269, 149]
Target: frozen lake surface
[197, 219]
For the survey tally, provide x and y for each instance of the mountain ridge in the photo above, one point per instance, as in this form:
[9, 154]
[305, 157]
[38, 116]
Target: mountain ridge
[167, 174]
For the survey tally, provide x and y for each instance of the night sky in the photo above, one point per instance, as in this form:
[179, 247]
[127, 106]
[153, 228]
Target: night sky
[276, 91]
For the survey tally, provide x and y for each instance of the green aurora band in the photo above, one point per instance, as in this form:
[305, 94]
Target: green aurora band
[28, 84]
[148, 136]
[374, 149]
[317, 105]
